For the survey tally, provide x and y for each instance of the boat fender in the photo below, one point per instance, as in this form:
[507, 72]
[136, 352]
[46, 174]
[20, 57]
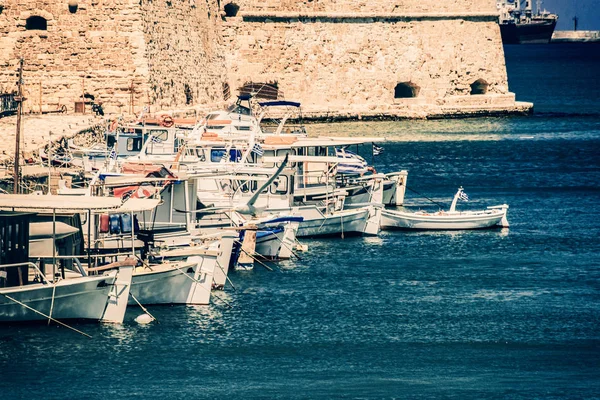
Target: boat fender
[115, 224]
[143, 319]
[104, 223]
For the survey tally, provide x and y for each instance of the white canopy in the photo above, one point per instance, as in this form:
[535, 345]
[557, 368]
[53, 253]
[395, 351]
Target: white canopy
[133, 205]
[60, 203]
[316, 159]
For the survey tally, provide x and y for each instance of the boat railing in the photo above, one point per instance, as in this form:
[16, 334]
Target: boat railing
[76, 259]
[28, 264]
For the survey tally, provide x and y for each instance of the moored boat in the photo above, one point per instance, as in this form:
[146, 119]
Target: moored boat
[494, 216]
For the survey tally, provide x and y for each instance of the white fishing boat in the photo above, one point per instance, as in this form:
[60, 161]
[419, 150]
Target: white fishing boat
[86, 297]
[447, 220]
[185, 282]
[276, 237]
[29, 293]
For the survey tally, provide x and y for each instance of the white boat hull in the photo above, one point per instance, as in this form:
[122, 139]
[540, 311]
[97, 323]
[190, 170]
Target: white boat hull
[76, 298]
[268, 245]
[443, 221]
[174, 283]
[337, 223]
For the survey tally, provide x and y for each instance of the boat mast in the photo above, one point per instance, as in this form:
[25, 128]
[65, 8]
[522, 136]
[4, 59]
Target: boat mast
[19, 99]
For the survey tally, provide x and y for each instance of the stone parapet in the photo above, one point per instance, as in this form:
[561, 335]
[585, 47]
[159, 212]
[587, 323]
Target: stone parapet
[272, 16]
[375, 6]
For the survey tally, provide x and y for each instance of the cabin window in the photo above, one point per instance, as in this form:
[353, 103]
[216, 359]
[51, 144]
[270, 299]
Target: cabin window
[134, 144]
[160, 134]
[200, 154]
[279, 186]
[36, 23]
[406, 90]
[235, 155]
[257, 184]
[231, 9]
[212, 116]
[480, 86]
[216, 155]
[283, 153]
[244, 186]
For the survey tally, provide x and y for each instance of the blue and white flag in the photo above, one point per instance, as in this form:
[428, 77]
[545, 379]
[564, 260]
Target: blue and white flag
[463, 196]
[154, 139]
[258, 150]
[225, 156]
[358, 165]
[377, 150]
[113, 153]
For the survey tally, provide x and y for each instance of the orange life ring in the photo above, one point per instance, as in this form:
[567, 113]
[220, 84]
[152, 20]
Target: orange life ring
[166, 121]
[113, 125]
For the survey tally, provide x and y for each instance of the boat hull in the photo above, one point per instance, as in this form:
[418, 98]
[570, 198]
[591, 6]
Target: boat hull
[401, 220]
[528, 33]
[339, 223]
[172, 284]
[76, 298]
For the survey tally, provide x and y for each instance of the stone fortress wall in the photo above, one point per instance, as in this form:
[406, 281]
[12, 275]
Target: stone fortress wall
[338, 57]
[354, 57]
[125, 53]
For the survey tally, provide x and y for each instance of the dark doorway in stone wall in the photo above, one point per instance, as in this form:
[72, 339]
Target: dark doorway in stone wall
[36, 23]
[226, 91]
[261, 90]
[187, 91]
[231, 9]
[480, 86]
[406, 90]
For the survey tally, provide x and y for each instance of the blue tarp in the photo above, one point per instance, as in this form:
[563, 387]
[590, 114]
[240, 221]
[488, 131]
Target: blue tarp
[279, 103]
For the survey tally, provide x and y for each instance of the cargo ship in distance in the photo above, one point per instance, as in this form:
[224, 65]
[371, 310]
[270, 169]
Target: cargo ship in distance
[519, 25]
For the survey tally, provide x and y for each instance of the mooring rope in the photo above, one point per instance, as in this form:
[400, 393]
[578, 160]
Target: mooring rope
[254, 258]
[143, 308]
[52, 301]
[45, 316]
[431, 200]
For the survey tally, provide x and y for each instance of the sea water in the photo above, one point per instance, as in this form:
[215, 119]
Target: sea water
[505, 313]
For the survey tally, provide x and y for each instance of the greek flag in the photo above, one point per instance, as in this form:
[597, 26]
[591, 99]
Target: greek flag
[377, 150]
[113, 153]
[356, 165]
[154, 139]
[258, 150]
[463, 196]
[225, 156]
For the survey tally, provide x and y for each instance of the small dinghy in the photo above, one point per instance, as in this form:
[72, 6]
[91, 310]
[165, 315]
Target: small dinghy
[494, 216]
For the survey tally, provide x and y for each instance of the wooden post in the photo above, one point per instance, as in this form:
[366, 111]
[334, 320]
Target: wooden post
[83, 93]
[246, 259]
[19, 99]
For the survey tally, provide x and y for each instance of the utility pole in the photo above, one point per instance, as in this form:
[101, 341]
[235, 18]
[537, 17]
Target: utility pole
[19, 99]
